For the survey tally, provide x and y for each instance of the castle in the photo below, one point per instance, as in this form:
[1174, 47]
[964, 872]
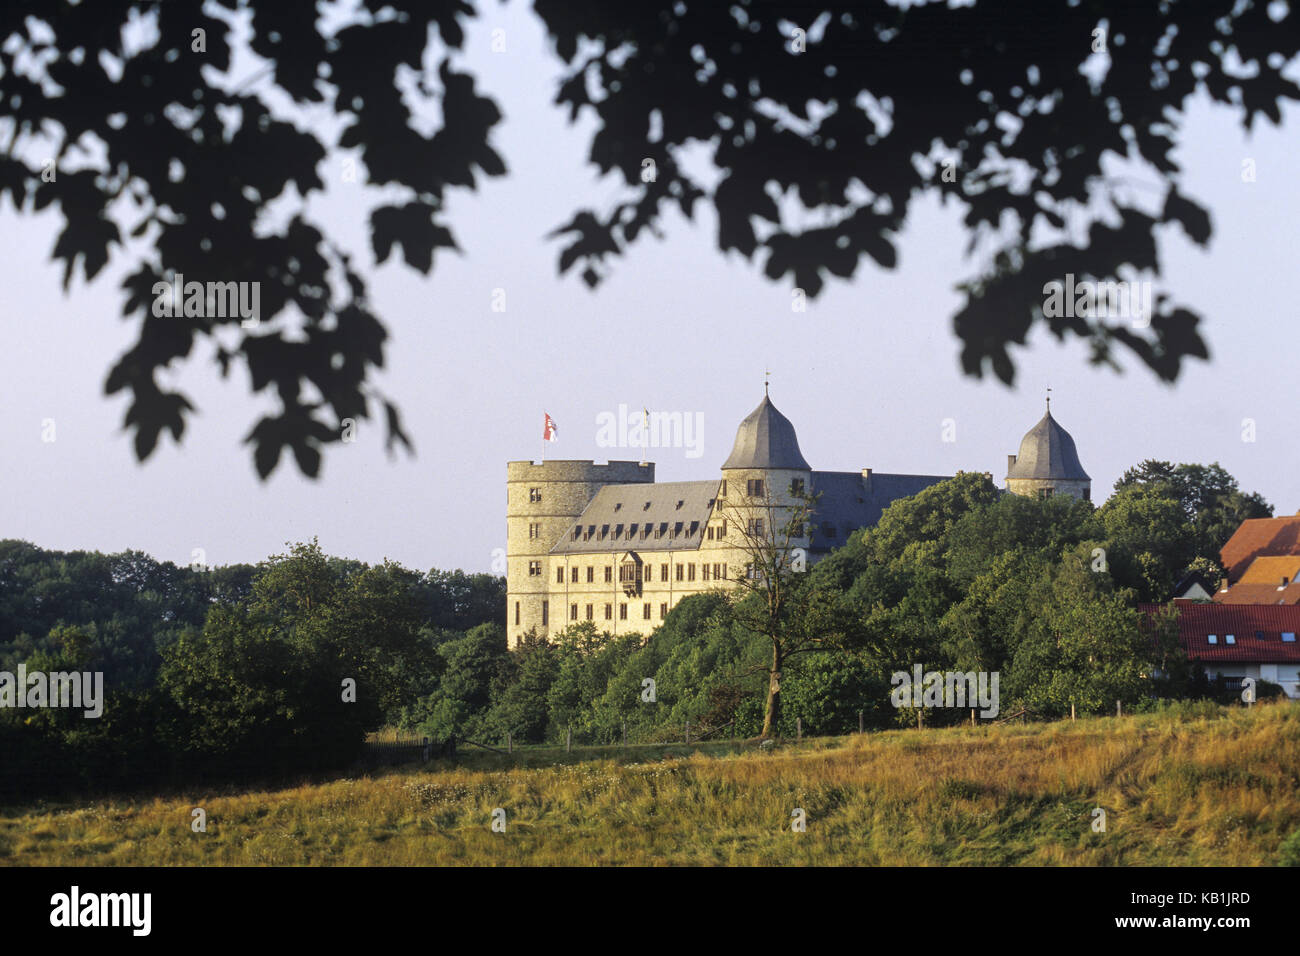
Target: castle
[607, 543]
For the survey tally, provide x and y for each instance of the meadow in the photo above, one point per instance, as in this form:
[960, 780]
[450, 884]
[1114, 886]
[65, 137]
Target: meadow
[1196, 785]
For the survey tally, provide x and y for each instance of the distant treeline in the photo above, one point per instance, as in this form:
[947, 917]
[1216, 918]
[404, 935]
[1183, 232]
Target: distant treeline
[232, 673]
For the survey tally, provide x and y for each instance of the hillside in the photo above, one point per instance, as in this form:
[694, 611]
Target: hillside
[1195, 786]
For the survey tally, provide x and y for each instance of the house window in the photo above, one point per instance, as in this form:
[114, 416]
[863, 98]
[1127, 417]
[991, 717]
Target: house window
[646, 612]
[722, 529]
[609, 612]
[829, 530]
[573, 612]
[796, 486]
[534, 568]
[622, 612]
[1230, 638]
[704, 572]
[663, 610]
[1213, 638]
[589, 615]
[516, 614]
[575, 575]
[679, 572]
[710, 533]
[534, 495]
[609, 574]
[754, 487]
[559, 575]
[591, 575]
[690, 572]
[534, 532]
[756, 527]
[1288, 636]
[663, 572]
[546, 613]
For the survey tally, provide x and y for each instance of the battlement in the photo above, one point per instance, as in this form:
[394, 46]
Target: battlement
[613, 472]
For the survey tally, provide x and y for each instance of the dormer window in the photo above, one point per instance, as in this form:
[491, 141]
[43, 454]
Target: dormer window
[618, 506]
[679, 505]
[604, 532]
[694, 527]
[577, 530]
[631, 530]
[677, 529]
[646, 506]
[618, 530]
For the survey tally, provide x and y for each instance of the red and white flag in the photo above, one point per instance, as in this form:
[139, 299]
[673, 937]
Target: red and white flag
[549, 430]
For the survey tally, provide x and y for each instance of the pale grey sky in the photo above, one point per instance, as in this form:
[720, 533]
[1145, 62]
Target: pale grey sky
[868, 374]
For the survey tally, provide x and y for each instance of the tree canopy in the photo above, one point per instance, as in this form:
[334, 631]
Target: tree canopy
[190, 137]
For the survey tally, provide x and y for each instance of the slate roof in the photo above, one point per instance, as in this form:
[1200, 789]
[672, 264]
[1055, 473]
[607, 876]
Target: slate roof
[766, 439]
[1197, 621]
[1047, 451]
[606, 524]
[1260, 536]
[850, 501]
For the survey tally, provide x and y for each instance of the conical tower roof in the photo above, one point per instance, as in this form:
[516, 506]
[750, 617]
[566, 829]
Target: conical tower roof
[766, 439]
[1047, 451]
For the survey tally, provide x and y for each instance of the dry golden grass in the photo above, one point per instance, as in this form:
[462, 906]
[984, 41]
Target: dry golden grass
[1176, 790]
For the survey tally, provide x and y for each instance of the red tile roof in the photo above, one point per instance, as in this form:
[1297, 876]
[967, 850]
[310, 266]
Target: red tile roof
[1243, 593]
[1243, 621]
[1260, 536]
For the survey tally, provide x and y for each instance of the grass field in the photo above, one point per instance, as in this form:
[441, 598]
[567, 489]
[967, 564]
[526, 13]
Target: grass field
[1221, 787]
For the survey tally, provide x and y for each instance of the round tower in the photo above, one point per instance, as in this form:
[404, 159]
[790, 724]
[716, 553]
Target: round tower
[543, 499]
[1048, 463]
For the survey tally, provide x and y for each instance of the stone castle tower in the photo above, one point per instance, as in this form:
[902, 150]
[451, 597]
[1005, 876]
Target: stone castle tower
[543, 500]
[1048, 463]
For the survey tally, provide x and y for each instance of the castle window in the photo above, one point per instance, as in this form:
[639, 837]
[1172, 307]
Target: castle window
[754, 487]
[828, 530]
[609, 574]
[796, 530]
[577, 530]
[722, 493]
[546, 613]
[693, 528]
[646, 612]
[631, 530]
[663, 528]
[704, 572]
[618, 531]
[622, 612]
[534, 495]
[663, 610]
[575, 575]
[573, 612]
[756, 527]
[534, 568]
[591, 575]
[680, 572]
[724, 572]
[516, 614]
[722, 529]
[709, 533]
[559, 575]
[796, 486]
[690, 572]
[663, 572]
[677, 529]
[589, 615]
[534, 532]
[1087, 494]
[609, 612]
[604, 532]
[591, 529]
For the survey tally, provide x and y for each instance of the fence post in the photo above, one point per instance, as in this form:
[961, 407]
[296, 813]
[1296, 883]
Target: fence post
[859, 721]
[1119, 709]
[798, 729]
[918, 718]
[568, 739]
[1072, 710]
[972, 716]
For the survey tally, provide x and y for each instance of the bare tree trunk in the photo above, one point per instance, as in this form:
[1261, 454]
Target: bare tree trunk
[772, 712]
